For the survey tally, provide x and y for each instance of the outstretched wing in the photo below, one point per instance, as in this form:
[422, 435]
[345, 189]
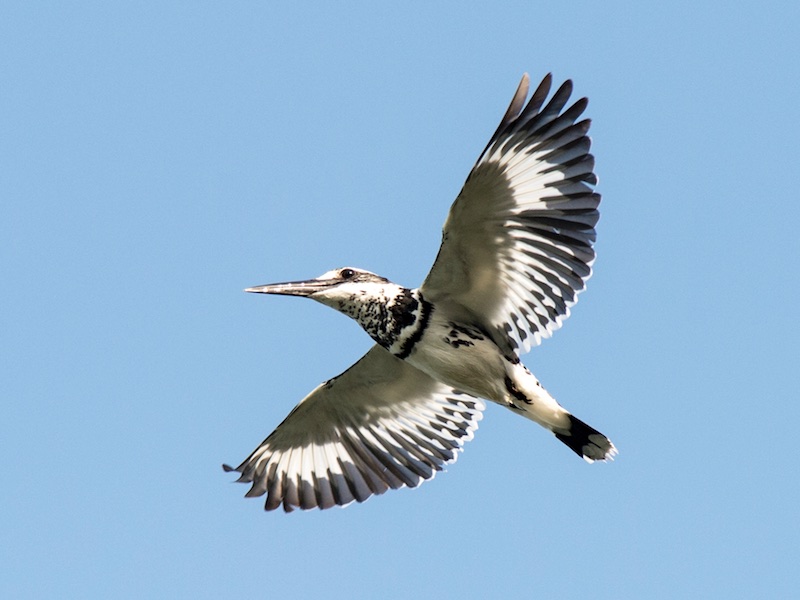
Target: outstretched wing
[381, 424]
[517, 244]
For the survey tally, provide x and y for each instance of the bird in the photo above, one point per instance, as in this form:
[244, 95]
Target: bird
[517, 248]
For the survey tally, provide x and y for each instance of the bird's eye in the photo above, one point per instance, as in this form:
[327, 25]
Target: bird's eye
[348, 273]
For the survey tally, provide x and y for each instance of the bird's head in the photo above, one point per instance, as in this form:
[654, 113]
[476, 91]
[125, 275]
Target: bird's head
[337, 288]
[384, 309]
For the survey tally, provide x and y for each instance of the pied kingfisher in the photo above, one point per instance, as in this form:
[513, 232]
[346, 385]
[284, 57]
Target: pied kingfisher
[516, 250]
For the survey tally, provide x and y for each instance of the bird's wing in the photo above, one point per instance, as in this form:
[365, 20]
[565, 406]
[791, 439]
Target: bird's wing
[517, 244]
[381, 424]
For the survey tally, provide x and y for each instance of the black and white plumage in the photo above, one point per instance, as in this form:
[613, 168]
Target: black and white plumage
[359, 435]
[516, 250]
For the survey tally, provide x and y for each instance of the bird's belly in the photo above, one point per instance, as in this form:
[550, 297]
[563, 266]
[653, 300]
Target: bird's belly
[463, 358]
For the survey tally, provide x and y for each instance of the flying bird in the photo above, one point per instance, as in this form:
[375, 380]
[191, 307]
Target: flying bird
[516, 251]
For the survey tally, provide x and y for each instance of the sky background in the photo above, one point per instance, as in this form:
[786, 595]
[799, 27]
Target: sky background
[158, 157]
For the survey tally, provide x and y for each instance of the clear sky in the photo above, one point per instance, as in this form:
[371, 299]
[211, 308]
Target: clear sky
[158, 157]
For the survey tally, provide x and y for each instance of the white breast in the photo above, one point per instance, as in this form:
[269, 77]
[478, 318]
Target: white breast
[462, 357]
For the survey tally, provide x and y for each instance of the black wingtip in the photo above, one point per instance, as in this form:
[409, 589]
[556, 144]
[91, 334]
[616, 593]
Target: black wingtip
[518, 107]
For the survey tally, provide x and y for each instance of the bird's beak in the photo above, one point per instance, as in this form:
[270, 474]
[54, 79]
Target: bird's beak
[291, 288]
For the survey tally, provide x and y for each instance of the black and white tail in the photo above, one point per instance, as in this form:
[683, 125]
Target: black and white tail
[526, 395]
[586, 441]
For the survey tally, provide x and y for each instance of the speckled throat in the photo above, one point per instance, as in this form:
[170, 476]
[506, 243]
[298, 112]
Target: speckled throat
[395, 319]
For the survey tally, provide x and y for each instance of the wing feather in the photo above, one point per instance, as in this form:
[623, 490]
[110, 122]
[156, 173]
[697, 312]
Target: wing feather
[517, 246]
[381, 424]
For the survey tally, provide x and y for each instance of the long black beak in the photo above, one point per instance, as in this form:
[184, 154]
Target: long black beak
[292, 288]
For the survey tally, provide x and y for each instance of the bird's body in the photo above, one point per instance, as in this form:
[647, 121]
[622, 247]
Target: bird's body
[516, 250]
[464, 357]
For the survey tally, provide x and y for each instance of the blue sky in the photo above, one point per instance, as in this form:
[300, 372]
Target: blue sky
[157, 158]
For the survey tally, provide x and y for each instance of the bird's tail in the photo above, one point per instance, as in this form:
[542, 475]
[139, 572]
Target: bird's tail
[586, 441]
[527, 395]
